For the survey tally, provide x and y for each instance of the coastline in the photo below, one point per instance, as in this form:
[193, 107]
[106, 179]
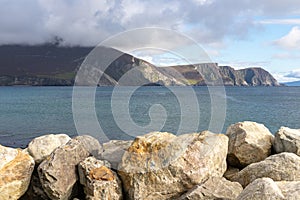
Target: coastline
[240, 164]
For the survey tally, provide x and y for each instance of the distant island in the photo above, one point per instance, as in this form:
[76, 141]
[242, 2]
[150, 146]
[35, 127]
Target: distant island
[52, 65]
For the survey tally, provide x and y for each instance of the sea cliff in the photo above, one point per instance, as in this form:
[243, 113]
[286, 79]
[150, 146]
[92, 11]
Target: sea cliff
[51, 65]
[248, 162]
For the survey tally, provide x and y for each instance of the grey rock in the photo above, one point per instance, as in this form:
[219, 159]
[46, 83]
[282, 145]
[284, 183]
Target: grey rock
[230, 172]
[287, 140]
[261, 189]
[98, 180]
[91, 144]
[249, 142]
[160, 165]
[41, 147]
[279, 167]
[114, 150]
[267, 189]
[289, 189]
[214, 188]
[58, 173]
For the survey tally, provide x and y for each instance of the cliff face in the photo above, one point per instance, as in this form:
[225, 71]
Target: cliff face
[247, 77]
[212, 74]
[23, 65]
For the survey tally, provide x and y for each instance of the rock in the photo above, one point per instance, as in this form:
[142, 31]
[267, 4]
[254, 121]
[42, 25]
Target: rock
[249, 142]
[287, 140]
[214, 188]
[114, 150]
[35, 190]
[16, 168]
[91, 144]
[58, 172]
[279, 167]
[267, 189]
[160, 165]
[289, 189]
[261, 189]
[41, 147]
[230, 172]
[98, 180]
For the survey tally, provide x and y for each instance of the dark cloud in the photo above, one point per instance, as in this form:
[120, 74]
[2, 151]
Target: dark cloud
[87, 22]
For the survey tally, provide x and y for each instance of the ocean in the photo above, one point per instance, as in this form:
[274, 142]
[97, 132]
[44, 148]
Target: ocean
[125, 112]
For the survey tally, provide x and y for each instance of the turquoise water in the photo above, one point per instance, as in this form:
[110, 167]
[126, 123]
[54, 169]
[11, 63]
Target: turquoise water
[27, 112]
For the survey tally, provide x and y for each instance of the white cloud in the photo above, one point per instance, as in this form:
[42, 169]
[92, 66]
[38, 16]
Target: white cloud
[295, 21]
[284, 77]
[291, 40]
[244, 64]
[287, 56]
[293, 74]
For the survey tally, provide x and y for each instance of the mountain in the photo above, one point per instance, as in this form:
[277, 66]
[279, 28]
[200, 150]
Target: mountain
[54, 65]
[39, 65]
[295, 83]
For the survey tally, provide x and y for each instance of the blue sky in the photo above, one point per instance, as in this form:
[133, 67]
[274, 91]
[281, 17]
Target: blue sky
[262, 48]
[244, 33]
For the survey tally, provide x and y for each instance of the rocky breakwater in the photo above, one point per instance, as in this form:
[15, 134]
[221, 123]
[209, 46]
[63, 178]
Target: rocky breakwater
[247, 162]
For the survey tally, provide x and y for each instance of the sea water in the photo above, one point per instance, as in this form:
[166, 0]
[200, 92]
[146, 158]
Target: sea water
[28, 112]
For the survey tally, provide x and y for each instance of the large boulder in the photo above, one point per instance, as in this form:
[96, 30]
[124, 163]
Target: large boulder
[287, 140]
[261, 189]
[41, 147]
[114, 150]
[163, 166]
[289, 189]
[91, 144]
[98, 180]
[267, 189]
[16, 167]
[279, 167]
[249, 142]
[58, 173]
[214, 188]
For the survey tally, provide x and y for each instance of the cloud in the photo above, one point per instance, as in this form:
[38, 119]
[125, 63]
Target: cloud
[88, 22]
[293, 74]
[295, 21]
[287, 56]
[244, 64]
[285, 77]
[291, 40]
[281, 78]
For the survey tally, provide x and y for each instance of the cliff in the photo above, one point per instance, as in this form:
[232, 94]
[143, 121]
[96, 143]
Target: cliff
[50, 65]
[247, 77]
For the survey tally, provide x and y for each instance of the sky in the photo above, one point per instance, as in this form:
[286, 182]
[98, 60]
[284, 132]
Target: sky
[239, 33]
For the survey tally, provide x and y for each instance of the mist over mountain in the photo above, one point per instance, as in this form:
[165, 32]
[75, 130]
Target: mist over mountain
[49, 64]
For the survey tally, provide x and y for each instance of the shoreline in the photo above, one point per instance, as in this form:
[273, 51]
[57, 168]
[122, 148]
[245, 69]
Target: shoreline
[158, 165]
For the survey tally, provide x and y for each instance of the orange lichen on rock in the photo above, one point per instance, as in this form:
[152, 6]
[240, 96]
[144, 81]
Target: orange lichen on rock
[102, 173]
[150, 143]
[16, 169]
[15, 173]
